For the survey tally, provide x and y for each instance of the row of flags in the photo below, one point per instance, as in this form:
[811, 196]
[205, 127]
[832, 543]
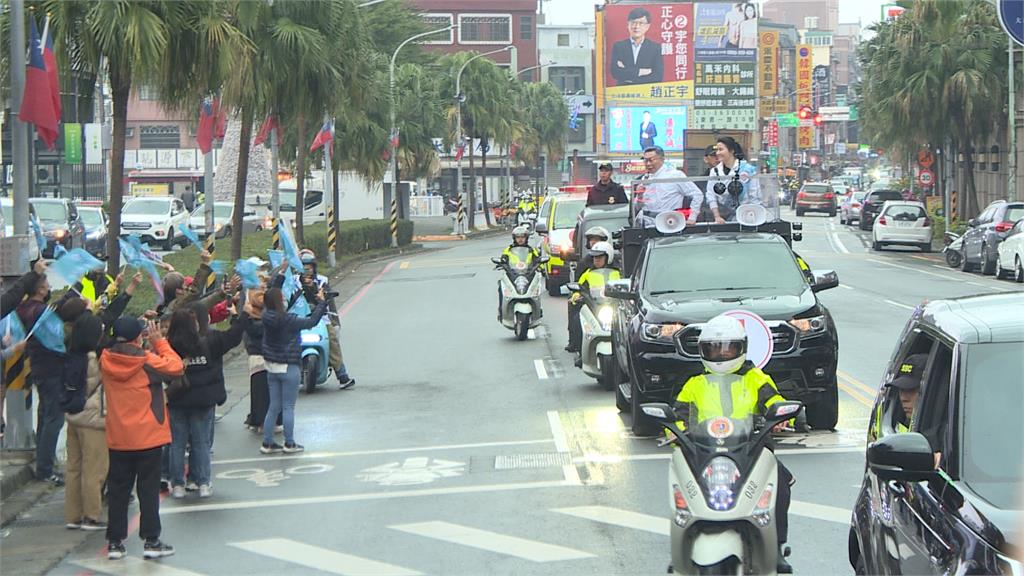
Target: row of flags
[40, 101]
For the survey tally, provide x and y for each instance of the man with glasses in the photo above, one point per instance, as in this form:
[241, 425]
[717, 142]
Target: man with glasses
[637, 60]
[658, 197]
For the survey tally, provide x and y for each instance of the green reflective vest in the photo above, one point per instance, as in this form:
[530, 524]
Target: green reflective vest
[740, 395]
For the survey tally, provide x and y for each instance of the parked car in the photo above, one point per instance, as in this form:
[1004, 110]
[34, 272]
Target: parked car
[94, 218]
[903, 223]
[941, 489]
[555, 223]
[849, 210]
[155, 220]
[1010, 262]
[871, 205]
[7, 225]
[252, 219]
[60, 223]
[815, 197]
[984, 233]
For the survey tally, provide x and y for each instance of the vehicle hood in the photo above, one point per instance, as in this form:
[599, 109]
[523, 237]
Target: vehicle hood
[199, 221]
[48, 225]
[149, 218]
[690, 308]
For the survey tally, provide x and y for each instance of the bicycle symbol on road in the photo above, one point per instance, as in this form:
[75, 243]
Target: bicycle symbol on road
[268, 478]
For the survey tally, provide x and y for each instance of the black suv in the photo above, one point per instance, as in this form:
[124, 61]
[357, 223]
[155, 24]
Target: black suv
[872, 206]
[682, 281]
[942, 488]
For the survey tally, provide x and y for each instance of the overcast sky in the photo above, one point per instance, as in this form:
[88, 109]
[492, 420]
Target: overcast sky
[570, 11]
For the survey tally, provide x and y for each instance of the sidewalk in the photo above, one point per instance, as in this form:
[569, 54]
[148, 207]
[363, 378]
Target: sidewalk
[441, 228]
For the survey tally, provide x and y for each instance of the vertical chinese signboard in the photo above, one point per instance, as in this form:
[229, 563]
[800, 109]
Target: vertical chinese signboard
[72, 143]
[767, 63]
[804, 85]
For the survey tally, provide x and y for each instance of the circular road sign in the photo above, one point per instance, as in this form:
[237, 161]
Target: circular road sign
[760, 344]
[926, 178]
[925, 158]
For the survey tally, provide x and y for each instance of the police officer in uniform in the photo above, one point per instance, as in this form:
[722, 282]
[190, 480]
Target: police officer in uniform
[606, 191]
[594, 278]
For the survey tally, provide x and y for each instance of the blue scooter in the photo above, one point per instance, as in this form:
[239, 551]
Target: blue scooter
[315, 368]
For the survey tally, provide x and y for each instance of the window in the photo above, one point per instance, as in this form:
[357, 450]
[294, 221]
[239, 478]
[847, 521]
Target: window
[159, 137]
[563, 39]
[148, 92]
[526, 28]
[568, 79]
[726, 271]
[436, 21]
[485, 29]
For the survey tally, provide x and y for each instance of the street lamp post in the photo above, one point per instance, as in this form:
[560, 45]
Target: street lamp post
[458, 118]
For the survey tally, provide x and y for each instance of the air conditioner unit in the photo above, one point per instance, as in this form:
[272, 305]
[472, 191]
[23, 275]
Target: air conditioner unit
[46, 174]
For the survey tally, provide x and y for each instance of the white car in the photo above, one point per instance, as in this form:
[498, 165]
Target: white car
[252, 220]
[1010, 260]
[902, 222]
[155, 219]
[7, 225]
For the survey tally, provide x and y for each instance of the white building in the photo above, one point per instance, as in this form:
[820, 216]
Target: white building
[571, 48]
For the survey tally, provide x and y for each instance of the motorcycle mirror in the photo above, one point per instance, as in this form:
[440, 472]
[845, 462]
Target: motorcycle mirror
[541, 228]
[544, 259]
[783, 410]
[573, 287]
[659, 411]
[496, 260]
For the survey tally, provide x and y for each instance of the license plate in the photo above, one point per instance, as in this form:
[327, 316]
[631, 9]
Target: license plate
[902, 224]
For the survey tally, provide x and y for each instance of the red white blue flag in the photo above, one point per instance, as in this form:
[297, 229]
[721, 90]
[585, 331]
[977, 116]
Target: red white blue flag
[37, 100]
[324, 137]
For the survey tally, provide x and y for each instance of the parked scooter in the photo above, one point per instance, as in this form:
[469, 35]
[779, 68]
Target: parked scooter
[722, 490]
[954, 250]
[520, 288]
[596, 316]
[315, 342]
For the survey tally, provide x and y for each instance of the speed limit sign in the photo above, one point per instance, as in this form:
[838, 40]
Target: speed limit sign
[925, 178]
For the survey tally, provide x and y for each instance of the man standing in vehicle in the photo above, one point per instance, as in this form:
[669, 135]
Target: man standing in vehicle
[658, 197]
[606, 191]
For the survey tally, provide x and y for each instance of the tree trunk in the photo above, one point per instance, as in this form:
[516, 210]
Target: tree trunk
[120, 90]
[971, 209]
[483, 191]
[472, 187]
[244, 140]
[300, 182]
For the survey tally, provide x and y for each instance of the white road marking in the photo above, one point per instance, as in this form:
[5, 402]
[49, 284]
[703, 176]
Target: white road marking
[129, 566]
[572, 475]
[837, 244]
[493, 541]
[899, 305]
[596, 458]
[619, 517]
[314, 455]
[364, 497]
[321, 558]
[844, 286]
[542, 372]
[943, 276]
[531, 334]
[820, 512]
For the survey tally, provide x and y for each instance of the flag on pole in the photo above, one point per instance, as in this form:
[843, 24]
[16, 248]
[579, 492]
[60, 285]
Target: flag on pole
[212, 124]
[50, 58]
[460, 151]
[154, 277]
[276, 257]
[191, 235]
[49, 330]
[324, 136]
[74, 264]
[38, 233]
[269, 124]
[394, 138]
[11, 329]
[301, 307]
[288, 245]
[37, 99]
[249, 273]
[513, 150]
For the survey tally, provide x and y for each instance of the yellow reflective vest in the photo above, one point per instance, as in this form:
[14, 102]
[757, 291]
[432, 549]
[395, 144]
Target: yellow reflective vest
[511, 256]
[89, 288]
[596, 278]
[739, 395]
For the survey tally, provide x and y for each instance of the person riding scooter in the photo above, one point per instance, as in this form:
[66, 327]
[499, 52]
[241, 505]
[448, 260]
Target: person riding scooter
[311, 284]
[723, 351]
[520, 239]
[593, 235]
[593, 278]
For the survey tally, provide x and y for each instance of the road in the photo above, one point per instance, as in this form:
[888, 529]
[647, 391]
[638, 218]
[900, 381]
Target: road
[463, 451]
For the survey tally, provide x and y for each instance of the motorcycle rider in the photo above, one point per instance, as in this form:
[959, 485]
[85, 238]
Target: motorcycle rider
[593, 235]
[593, 278]
[520, 239]
[312, 283]
[723, 351]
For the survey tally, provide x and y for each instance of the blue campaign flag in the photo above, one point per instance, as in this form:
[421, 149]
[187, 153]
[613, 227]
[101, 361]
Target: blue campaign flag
[59, 250]
[143, 251]
[191, 235]
[291, 249]
[219, 267]
[38, 233]
[131, 255]
[49, 330]
[249, 273]
[275, 257]
[75, 264]
[11, 328]
[154, 277]
[289, 286]
[301, 307]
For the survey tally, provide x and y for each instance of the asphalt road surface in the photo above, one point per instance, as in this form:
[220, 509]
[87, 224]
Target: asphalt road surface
[463, 451]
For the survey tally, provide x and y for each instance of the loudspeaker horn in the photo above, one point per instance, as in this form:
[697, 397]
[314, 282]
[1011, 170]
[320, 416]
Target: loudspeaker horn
[751, 215]
[670, 222]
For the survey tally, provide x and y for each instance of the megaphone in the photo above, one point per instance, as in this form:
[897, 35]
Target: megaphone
[670, 222]
[751, 215]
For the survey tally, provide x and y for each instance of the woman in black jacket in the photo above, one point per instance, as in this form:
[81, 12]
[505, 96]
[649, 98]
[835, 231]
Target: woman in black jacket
[192, 401]
[282, 353]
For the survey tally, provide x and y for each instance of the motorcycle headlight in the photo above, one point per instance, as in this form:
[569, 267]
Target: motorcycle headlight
[604, 316]
[720, 476]
[661, 332]
[522, 283]
[812, 325]
[311, 338]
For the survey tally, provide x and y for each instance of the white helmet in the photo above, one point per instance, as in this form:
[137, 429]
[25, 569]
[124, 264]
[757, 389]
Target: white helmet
[520, 231]
[603, 249]
[598, 231]
[723, 345]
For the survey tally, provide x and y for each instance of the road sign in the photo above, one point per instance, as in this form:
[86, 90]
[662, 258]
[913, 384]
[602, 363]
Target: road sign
[834, 113]
[1011, 16]
[760, 343]
[925, 158]
[773, 157]
[787, 120]
[926, 178]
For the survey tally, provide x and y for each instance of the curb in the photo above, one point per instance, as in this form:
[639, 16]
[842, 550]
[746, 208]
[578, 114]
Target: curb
[13, 477]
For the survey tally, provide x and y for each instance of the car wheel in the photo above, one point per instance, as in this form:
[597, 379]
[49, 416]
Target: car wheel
[987, 266]
[862, 224]
[824, 412]
[842, 219]
[832, 214]
[642, 423]
[168, 244]
[876, 246]
[1018, 270]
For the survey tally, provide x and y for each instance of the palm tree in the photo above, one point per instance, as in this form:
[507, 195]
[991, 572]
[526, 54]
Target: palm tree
[545, 121]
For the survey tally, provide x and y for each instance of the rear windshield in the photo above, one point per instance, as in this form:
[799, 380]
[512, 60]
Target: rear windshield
[883, 195]
[51, 211]
[904, 212]
[1014, 213]
[816, 188]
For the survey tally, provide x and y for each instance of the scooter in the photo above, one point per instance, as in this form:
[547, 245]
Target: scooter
[954, 249]
[722, 492]
[519, 291]
[596, 317]
[315, 344]
[527, 218]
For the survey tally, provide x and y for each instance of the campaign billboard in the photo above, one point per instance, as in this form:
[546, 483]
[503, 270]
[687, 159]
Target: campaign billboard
[648, 51]
[725, 32]
[631, 129]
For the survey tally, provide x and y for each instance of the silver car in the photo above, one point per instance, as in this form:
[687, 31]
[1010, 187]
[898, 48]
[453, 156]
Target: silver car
[252, 219]
[849, 210]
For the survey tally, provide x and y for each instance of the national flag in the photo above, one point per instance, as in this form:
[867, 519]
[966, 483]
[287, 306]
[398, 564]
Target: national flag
[394, 138]
[249, 273]
[460, 152]
[37, 99]
[269, 124]
[49, 330]
[50, 58]
[191, 236]
[324, 136]
[288, 245]
[74, 264]
[513, 150]
[212, 124]
[220, 120]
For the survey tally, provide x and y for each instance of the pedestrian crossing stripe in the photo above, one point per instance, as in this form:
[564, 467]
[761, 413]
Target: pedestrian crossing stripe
[129, 566]
[493, 541]
[321, 558]
[619, 517]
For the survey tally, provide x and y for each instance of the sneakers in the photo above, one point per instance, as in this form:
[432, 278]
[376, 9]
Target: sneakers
[75, 525]
[205, 490]
[116, 550]
[292, 448]
[165, 485]
[156, 549]
[272, 448]
[55, 479]
[177, 491]
[191, 486]
[91, 525]
[346, 383]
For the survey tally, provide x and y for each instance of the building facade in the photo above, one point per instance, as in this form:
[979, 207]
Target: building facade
[803, 14]
[570, 52]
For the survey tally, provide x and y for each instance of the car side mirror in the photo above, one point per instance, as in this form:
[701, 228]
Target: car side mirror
[619, 289]
[659, 411]
[824, 279]
[907, 457]
[972, 222]
[541, 228]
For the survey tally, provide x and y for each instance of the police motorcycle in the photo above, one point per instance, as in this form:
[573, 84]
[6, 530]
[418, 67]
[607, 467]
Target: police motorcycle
[954, 249]
[519, 290]
[722, 492]
[527, 217]
[596, 317]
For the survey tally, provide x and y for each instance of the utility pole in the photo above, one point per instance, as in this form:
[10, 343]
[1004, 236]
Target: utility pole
[19, 130]
[332, 204]
[1012, 194]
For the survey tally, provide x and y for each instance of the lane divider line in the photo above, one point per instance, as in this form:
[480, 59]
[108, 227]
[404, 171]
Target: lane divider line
[323, 455]
[404, 265]
[532, 550]
[571, 473]
[542, 372]
[851, 380]
[318, 558]
[899, 305]
[852, 393]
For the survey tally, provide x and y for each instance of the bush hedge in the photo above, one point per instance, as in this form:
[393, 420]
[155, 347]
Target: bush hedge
[357, 236]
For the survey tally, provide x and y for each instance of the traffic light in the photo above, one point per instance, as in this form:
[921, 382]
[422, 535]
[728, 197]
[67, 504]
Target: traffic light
[817, 119]
[805, 113]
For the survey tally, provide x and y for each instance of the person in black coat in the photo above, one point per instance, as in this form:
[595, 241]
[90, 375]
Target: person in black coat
[637, 60]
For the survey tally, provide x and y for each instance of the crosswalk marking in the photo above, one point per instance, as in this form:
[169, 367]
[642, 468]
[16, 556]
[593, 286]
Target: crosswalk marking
[492, 541]
[619, 517]
[321, 558]
[129, 566]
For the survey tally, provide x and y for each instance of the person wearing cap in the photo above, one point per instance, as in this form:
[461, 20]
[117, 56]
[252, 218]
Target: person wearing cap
[908, 384]
[137, 429]
[660, 194]
[606, 191]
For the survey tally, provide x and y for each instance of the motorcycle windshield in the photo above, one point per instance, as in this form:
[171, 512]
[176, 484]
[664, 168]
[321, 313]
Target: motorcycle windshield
[722, 434]
[520, 259]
